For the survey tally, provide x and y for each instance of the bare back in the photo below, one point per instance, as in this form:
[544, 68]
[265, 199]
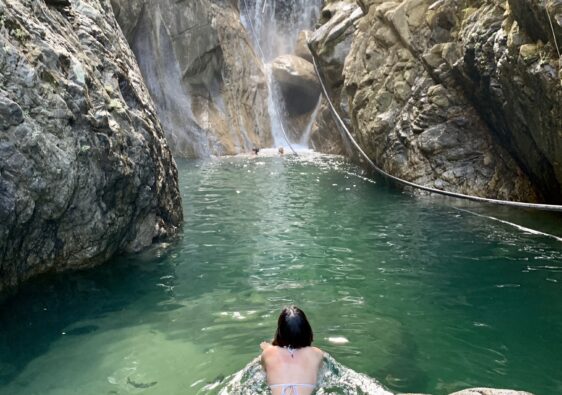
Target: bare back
[284, 366]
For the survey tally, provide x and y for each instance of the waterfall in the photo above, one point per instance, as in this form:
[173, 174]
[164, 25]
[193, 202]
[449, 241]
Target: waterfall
[274, 26]
[274, 105]
[277, 23]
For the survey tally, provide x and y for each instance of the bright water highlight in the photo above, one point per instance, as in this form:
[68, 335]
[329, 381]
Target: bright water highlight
[410, 291]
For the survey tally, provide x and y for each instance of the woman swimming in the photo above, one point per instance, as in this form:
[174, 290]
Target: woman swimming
[291, 364]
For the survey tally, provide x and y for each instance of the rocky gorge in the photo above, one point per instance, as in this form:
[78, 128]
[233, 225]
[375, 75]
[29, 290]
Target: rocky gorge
[461, 96]
[97, 96]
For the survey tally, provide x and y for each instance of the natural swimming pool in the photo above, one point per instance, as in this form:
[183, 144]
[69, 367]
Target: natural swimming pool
[408, 290]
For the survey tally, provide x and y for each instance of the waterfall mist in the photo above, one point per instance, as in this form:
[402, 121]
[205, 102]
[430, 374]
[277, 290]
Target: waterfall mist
[172, 100]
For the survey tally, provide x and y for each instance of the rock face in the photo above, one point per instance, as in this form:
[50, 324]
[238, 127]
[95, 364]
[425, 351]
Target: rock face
[331, 44]
[85, 171]
[301, 48]
[519, 92]
[208, 85]
[458, 98]
[298, 83]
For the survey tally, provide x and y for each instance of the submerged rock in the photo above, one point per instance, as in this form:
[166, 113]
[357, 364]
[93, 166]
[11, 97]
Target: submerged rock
[209, 86]
[85, 171]
[490, 391]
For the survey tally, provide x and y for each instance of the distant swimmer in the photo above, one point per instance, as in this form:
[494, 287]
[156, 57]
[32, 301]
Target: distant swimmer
[255, 150]
[281, 151]
[291, 363]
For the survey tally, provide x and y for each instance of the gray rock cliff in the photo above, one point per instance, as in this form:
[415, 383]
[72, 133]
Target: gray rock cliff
[85, 170]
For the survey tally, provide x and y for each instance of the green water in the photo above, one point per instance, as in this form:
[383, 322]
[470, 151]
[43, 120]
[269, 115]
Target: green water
[429, 298]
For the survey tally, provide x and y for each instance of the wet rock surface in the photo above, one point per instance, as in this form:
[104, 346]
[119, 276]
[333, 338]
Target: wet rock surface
[456, 97]
[209, 86]
[85, 171]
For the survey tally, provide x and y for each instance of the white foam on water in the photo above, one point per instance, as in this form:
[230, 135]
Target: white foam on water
[334, 378]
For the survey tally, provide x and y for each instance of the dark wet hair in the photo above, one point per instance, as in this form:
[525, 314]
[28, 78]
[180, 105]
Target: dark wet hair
[293, 329]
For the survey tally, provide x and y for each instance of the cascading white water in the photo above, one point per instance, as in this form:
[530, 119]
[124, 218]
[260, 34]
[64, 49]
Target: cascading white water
[277, 23]
[274, 26]
[274, 110]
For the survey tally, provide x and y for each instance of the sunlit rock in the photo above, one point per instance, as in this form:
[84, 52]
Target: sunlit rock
[415, 104]
[466, 99]
[331, 43]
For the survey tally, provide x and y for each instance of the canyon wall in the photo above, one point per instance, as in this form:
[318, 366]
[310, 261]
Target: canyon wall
[462, 96]
[198, 62]
[85, 170]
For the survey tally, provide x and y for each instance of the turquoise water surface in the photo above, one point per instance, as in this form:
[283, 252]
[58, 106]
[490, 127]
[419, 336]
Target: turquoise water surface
[413, 291]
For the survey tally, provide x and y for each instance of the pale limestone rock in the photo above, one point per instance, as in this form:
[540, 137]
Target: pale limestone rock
[331, 43]
[529, 52]
[301, 49]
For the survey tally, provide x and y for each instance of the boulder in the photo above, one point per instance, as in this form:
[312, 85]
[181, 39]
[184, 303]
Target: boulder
[516, 86]
[332, 41]
[466, 99]
[85, 170]
[298, 83]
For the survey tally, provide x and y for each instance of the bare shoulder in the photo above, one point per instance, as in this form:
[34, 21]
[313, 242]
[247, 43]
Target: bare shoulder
[318, 353]
[266, 346]
[317, 350]
[269, 352]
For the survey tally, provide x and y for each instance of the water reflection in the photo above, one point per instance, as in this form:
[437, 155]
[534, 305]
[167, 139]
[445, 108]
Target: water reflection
[55, 306]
